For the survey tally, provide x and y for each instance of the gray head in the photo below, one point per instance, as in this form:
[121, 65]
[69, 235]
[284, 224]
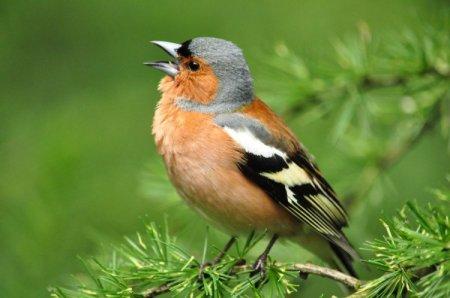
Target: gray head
[193, 60]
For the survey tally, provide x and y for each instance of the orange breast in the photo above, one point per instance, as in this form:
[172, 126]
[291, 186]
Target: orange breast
[201, 161]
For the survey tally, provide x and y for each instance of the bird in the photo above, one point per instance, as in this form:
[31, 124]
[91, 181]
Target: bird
[236, 162]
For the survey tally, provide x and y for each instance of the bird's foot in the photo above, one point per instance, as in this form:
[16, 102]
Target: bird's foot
[259, 267]
[203, 266]
[259, 270]
[217, 259]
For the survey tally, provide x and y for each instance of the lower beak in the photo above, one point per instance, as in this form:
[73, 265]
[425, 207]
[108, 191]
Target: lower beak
[169, 67]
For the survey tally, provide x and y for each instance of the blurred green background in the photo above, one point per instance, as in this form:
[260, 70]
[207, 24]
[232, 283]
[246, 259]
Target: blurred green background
[78, 167]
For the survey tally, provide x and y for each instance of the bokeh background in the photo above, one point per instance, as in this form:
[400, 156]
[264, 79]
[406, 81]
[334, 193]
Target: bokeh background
[78, 167]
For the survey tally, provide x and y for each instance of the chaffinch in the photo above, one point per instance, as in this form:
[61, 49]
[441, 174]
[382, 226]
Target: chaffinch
[234, 160]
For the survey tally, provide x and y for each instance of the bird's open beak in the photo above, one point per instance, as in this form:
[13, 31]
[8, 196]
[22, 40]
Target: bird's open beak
[169, 67]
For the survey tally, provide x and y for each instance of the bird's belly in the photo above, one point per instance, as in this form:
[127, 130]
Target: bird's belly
[225, 197]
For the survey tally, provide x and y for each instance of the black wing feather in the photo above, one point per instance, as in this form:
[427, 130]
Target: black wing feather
[314, 203]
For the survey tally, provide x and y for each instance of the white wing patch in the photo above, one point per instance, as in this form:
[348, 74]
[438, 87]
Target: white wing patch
[291, 176]
[250, 143]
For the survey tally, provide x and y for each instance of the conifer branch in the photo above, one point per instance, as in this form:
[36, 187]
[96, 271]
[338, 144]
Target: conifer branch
[303, 270]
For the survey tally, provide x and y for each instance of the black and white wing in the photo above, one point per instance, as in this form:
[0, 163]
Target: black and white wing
[291, 179]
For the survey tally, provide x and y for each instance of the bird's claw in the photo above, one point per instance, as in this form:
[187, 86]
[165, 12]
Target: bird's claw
[203, 266]
[259, 267]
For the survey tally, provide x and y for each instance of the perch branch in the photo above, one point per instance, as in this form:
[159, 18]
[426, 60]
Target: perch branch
[303, 269]
[336, 275]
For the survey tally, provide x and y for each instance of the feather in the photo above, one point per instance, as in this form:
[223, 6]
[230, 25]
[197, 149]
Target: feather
[291, 179]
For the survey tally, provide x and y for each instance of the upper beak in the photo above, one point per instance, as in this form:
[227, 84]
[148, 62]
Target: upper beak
[169, 67]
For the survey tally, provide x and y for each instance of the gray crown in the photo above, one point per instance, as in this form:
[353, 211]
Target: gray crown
[230, 67]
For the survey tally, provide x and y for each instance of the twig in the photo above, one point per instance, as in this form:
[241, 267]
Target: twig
[303, 269]
[159, 290]
[336, 275]
[365, 83]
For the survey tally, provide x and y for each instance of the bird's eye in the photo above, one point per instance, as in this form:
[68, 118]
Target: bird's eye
[194, 66]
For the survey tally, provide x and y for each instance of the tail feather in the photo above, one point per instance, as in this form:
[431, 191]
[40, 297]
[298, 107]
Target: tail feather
[338, 254]
[345, 258]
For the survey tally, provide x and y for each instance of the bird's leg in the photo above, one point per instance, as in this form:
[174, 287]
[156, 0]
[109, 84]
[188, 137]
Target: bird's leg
[222, 253]
[217, 259]
[220, 256]
[260, 265]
